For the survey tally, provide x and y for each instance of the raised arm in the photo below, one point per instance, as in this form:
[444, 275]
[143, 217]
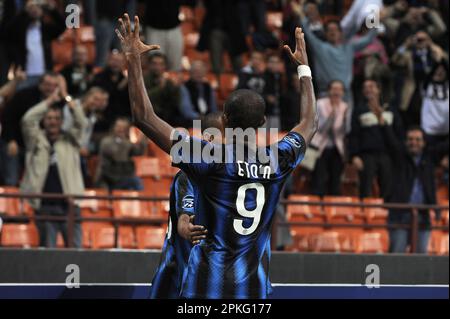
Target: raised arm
[144, 116]
[308, 108]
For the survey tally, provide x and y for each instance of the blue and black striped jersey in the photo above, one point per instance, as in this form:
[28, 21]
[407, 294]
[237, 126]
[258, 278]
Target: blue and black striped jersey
[175, 253]
[236, 201]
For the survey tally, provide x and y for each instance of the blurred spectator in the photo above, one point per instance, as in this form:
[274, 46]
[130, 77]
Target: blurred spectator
[107, 13]
[252, 13]
[415, 58]
[367, 148]
[371, 63]
[116, 169]
[222, 31]
[114, 80]
[290, 22]
[331, 7]
[329, 142]
[11, 129]
[93, 104]
[8, 10]
[403, 20]
[7, 92]
[197, 95]
[334, 57]
[435, 105]
[163, 28]
[53, 164]
[252, 76]
[30, 35]
[414, 183]
[164, 92]
[289, 106]
[79, 74]
[273, 90]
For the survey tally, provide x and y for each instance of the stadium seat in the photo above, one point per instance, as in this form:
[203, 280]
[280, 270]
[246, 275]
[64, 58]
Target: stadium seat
[19, 236]
[130, 208]
[374, 215]
[103, 237]
[370, 242]
[328, 241]
[9, 206]
[95, 207]
[150, 237]
[126, 239]
[306, 214]
[439, 243]
[338, 214]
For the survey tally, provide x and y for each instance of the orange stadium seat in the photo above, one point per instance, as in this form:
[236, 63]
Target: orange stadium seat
[326, 242]
[127, 238]
[370, 242]
[342, 214]
[439, 242]
[103, 237]
[19, 235]
[375, 215]
[130, 208]
[9, 206]
[150, 237]
[95, 207]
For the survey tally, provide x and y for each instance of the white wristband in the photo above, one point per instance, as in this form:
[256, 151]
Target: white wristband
[304, 70]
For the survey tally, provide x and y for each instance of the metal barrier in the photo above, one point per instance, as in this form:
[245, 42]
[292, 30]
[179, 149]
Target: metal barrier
[71, 217]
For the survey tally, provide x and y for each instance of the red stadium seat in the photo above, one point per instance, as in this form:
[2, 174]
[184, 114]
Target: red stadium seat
[341, 214]
[150, 237]
[370, 242]
[328, 241]
[19, 235]
[103, 237]
[95, 207]
[127, 239]
[439, 242]
[375, 215]
[9, 206]
[307, 214]
[130, 208]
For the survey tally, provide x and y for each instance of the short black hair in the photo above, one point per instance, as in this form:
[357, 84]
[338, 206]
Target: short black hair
[333, 21]
[48, 73]
[415, 128]
[245, 109]
[211, 120]
[330, 84]
[157, 54]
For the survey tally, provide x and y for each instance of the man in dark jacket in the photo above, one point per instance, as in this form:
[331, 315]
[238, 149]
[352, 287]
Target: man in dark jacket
[30, 35]
[367, 148]
[413, 183]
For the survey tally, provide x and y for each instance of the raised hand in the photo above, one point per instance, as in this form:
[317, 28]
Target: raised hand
[299, 57]
[130, 40]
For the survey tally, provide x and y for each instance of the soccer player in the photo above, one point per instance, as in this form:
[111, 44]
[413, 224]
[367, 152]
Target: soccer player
[236, 199]
[181, 233]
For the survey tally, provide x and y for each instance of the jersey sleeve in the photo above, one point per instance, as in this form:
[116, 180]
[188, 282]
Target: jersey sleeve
[193, 156]
[291, 150]
[184, 196]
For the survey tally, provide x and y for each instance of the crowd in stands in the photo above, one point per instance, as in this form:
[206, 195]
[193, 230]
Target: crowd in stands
[383, 94]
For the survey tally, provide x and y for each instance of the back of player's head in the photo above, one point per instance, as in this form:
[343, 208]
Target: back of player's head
[244, 109]
[212, 120]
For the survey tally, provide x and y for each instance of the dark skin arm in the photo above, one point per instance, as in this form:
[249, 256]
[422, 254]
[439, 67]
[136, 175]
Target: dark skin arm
[189, 231]
[144, 116]
[308, 111]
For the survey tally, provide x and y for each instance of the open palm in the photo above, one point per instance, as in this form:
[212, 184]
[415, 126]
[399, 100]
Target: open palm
[299, 57]
[130, 40]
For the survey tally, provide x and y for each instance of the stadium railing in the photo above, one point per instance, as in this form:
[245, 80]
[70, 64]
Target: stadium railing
[71, 218]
